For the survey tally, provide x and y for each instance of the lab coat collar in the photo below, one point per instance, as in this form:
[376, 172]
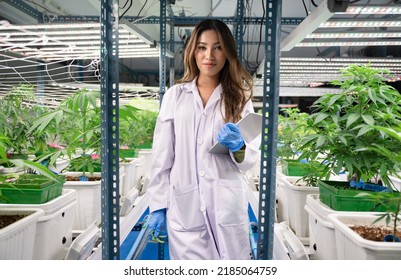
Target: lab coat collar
[191, 88]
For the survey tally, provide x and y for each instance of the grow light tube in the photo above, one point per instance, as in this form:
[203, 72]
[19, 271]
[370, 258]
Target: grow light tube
[49, 26]
[64, 39]
[314, 20]
[332, 64]
[342, 59]
[350, 44]
[369, 10]
[352, 35]
[359, 23]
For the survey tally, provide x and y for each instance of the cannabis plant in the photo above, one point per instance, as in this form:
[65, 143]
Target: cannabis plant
[345, 125]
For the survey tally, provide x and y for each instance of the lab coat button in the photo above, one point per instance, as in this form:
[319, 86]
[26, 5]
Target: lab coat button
[203, 208]
[200, 141]
[201, 173]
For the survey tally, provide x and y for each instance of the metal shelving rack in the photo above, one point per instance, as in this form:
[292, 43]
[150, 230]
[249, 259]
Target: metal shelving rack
[110, 101]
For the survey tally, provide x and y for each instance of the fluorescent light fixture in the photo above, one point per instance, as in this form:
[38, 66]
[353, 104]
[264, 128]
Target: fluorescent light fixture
[372, 10]
[314, 20]
[350, 44]
[340, 23]
[130, 27]
[341, 59]
[51, 42]
[353, 35]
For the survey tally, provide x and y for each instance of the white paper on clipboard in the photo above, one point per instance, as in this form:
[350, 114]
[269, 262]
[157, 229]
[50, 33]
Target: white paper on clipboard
[250, 126]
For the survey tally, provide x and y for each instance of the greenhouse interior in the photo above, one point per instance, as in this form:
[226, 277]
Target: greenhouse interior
[82, 84]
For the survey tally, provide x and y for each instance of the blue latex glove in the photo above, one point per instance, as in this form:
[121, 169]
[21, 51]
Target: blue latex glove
[156, 221]
[230, 136]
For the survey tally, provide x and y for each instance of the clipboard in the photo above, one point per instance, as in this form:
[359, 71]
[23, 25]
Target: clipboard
[251, 128]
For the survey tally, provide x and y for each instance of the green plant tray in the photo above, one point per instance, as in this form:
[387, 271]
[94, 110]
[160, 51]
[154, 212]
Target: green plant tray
[34, 181]
[146, 145]
[293, 167]
[32, 189]
[128, 153]
[339, 196]
[31, 196]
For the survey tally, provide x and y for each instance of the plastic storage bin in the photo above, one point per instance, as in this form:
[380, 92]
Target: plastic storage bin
[351, 246]
[340, 197]
[296, 200]
[54, 229]
[31, 189]
[18, 239]
[88, 208]
[321, 230]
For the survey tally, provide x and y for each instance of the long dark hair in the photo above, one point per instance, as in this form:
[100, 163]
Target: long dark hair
[236, 82]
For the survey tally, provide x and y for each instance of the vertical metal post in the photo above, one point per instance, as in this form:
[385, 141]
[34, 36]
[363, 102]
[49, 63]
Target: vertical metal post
[238, 27]
[109, 130]
[267, 183]
[172, 45]
[163, 47]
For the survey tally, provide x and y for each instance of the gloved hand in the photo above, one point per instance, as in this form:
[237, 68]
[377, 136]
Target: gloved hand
[156, 222]
[230, 136]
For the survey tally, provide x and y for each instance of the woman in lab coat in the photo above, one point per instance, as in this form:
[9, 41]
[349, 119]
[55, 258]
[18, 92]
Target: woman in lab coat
[202, 195]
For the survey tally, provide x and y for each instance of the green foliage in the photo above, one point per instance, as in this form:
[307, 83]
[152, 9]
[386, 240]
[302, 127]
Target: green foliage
[75, 123]
[291, 129]
[345, 125]
[137, 126]
[16, 116]
[392, 214]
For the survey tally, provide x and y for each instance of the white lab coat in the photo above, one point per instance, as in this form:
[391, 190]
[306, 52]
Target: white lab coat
[205, 194]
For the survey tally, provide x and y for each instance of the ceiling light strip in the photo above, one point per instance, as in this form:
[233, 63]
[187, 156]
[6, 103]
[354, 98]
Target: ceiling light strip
[372, 10]
[334, 64]
[74, 43]
[49, 26]
[349, 44]
[353, 35]
[360, 23]
[131, 38]
[60, 32]
[342, 59]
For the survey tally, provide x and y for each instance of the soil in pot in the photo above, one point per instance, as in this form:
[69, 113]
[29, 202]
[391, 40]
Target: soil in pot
[9, 219]
[90, 178]
[374, 233]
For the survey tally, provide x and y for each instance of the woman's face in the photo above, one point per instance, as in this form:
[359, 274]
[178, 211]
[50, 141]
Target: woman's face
[209, 55]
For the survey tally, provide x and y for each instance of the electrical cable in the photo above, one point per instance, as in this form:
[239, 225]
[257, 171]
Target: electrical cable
[129, 7]
[139, 13]
[126, 2]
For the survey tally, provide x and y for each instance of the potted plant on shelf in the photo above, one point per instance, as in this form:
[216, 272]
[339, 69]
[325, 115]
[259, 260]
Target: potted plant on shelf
[291, 129]
[297, 177]
[366, 235]
[346, 137]
[75, 123]
[18, 226]
[15, 120]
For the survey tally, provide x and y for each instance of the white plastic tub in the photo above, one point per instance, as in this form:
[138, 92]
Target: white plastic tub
[18, 239]
[351, 246]
[88, 208]
[296, 196]
[133, 173]
[54, 229]
[321, 230]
